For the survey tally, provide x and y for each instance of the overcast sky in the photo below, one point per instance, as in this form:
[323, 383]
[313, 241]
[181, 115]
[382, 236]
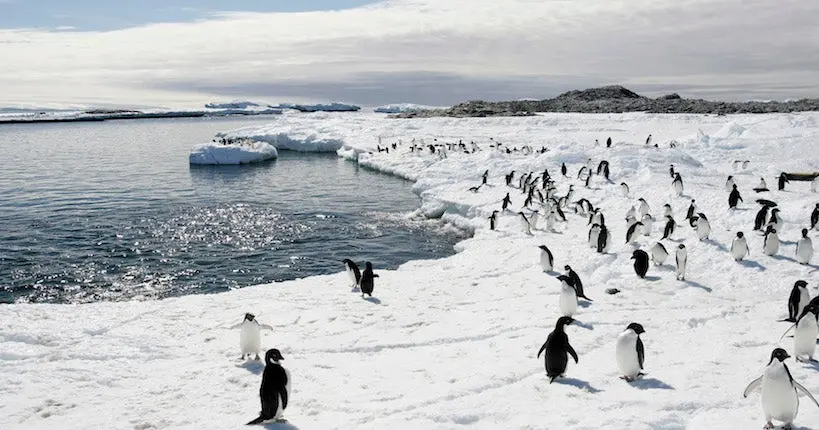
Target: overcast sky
[439, 52]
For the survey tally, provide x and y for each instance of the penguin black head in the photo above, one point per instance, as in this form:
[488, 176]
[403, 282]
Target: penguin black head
[730, 177]
[369, 265]
[636, 327]
[681, 246]
[804, 232]
[740, 235]
[800, 283]
[563, 321]
[567, 268]
[779, 354]
[543, 247]
[735, 186]
[635, 254]
[273, 356]
[564, 278]
[249, 316]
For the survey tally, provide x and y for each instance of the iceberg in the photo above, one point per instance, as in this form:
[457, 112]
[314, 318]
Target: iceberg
[401, 107]
[236, 152]
[332, 107]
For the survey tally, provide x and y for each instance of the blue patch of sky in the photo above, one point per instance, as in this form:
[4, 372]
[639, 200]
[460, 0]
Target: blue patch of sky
[91, 15]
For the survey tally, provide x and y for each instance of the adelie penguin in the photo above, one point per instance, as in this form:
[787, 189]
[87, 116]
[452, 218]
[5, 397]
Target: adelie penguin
[506, 202]
[567, 301]
[762, 187]
[783, 179]
[814, 216]
[275, 390]
[557, 350]
[804, 338]
[799, 298]
[640, 263]
[524, 224]
[250, 336]
[648, 224]
[658, 254]
[603, 240]
[776, 221]
[771, 244]
[493, 220]
[670, 225]
[633, 231]
[368, 280]
[677, 184]
[682, 260]
[692, 209]
[804, 248]
[703, 226]
[547, 261]
[734, 198]
[353, 272]
[667, 211]
[760, 218]
[729, 183]
[644, 207]
[624, 189]
[739, 247]
[630, 352]
[576, 282]
[563, 169]
[780, 391]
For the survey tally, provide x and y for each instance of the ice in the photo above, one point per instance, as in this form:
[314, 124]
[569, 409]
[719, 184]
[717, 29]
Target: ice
[235, 153]
[332, 107]
[401, 107]
[452, 342]
[232, 105]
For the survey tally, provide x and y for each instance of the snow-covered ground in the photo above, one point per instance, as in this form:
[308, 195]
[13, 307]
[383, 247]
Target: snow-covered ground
[401, 107]
[451, 343]
[236, 153]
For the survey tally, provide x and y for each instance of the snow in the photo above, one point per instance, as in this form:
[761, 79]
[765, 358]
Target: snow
[236, 153]
[332, 107]
[232, 105]
[402, 107]
[452, 342]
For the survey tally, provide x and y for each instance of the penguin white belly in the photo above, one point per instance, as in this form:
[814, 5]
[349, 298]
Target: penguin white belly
[627, 360]
[608, 241]
[703, 229]
[351, 274]
[643, 210]
[280, 409]
[658, 255]
[739, 249]
[814, 185]
[771, 245]
[647, 226]
[595, 234]
[678, 188]
[804, 340]
[250, 338]
[568, 301]
[779, 399]
[804, 250]
[533, 219]
[545, 263]
[804, 299]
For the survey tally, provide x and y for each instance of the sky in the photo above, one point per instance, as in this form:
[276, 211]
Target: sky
[183, 53]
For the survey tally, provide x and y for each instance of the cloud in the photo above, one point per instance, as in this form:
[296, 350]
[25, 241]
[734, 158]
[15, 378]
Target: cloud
[429, 51]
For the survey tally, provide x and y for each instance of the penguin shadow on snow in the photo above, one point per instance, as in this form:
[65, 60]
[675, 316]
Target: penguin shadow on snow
[698, 285]
[584, 325]
[255, 367]
[652, 278]
[583, 385]
[583, 304]
[280, 426]
[752, 265]
[651, 384]
[783, 258]
[374, 300]
[719, 246]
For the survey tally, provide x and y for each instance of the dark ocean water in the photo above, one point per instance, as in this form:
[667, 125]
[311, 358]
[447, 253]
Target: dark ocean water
[113, 211]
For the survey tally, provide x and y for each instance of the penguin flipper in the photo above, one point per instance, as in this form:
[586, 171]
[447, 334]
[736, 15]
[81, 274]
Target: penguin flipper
[571, 352]
[756, 383]
[542, 348]
[641, 353]
[258, 420]
[803, 390]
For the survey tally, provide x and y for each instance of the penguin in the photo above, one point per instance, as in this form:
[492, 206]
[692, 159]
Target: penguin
[776, 221]
[804, 248]
[534, 217]
[630, 352]
[624, 189]
[557, 347]
[671, 171]
[640, 262]
[771, 244]
[368, 280]
[493, 220]
[603, 240]
[631, 213]
[779, 391]
[682, 258]
[563, 169]
[644, 207]
[734, 198]
[546, 259]
[594, 234]
[275, 390]
[648, 223]
[648, 140]
[570, 193]
[633, 231]
[783, 179]
[352, 271]
[667, 210]
[762, 187]
[692, 209]
[799, 298]
[524, 224]
[703, 226]
[484, 177]
[669, 227]
[745, 164]
[677, 184]
[506, 202]
[804, 338]
[814, 216]
[658, 254]
[568, 296]
[576, 282]
[761, 217]
[608, 142]
[729, 183]
[739, 247]
[250, 336]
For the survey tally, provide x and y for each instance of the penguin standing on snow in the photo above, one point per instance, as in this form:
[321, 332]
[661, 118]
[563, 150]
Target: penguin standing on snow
[630, 352]
[368, 280]
[669, 227]
[729, 183]
[567, 300]
[762, 186]
[648, 223]
[658, 254]
[771, 244]
[594, 234]
[557, 350]
[804, 338]
[493, 220]
[783, 179]
[682, 259]
[677, 184]
[739, 247]
[760, 218]
[576, 282]
[275, 390]
[608, 142]
[603, 240]
[633, 231]
[692, 209]
[779, 391]
[506, 202]
[250, 336]
[524, 224]
[546, 259]
[734, 198]
[776, 221]
[624, 189]
[667, 210]
[703, 226]
[352, 271]
[563, 169]
[671, 171]
[814, 216]
[799, 298]
[648, 140]
[804, 248]
[644, 207]
[640, 262]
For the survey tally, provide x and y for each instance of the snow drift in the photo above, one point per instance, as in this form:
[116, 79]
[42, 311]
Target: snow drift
[236, 153]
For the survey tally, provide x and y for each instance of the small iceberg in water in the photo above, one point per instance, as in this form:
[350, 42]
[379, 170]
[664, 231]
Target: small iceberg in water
[240, 151]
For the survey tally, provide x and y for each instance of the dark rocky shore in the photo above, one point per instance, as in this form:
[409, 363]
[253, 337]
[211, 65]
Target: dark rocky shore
[612, 99]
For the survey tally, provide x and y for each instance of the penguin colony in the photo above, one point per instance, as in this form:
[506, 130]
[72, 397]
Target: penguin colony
[540, 200]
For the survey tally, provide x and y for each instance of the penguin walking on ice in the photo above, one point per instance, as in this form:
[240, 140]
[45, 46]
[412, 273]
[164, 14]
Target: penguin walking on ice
[484, 177]
[760, 218]
[804, 338]
[739, 247]
[644, 207]
[729, 183]
[677, 184]
[493, 220]
[658, 254]
[630, 352]
[594, 234]
[804, 248]
[703, 226]
[776, 221]
[275, 390]
[783, 179]
[608, 142]
[506, 202]
[250, 336]
[603, 240]
[624, 189]
[734, 198]
[667, 210]
[692, 209]
[567, 300]
[682, 259]
[524, 224]
[368, 280]
[771, 244]
[633, 231]
[648, 223]
[576, 282]
[780, 391]
[640, 258]
[557, 350]
[648, 140]
[563, 169]
[798, 300]
[352, 271]
[670, 225]
[546, 259]
[671, 170]
[814, 216]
